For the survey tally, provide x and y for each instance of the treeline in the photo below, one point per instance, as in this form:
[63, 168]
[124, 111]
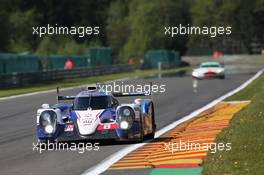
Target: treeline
[130, 27]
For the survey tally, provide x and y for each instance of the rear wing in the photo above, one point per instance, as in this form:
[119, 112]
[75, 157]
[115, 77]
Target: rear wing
[130, 94]
[65, 98]
[115, 94]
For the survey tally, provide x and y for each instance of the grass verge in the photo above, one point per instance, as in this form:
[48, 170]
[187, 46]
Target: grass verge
[245, 133]
[249, 92]
[83, 81]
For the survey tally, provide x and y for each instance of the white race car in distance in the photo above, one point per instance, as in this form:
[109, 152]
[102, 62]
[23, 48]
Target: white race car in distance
[209, 70]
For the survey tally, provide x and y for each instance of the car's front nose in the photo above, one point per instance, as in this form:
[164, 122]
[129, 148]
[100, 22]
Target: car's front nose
[196, 74]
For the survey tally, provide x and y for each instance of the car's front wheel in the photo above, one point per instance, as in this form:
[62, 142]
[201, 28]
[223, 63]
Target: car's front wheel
[153, 124]
[222, 77]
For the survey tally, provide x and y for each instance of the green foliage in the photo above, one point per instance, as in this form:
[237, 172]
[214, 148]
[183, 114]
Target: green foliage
[47, 46]
[64, 46]
[4, 34]
[245, 17]
[18, 17]
[130, 27]
[117, 25]
[138, 26]
[21, 38]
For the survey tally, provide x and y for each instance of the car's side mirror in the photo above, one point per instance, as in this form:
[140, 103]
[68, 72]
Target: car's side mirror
[45, 106]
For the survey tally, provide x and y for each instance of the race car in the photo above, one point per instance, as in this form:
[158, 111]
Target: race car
[93, 114]
[209, 70]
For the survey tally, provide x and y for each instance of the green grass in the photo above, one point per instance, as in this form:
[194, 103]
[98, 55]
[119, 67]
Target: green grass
[251, 90]
[83, 81]
[246, 134]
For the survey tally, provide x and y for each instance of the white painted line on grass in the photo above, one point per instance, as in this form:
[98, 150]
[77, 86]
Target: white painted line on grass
[106, 163]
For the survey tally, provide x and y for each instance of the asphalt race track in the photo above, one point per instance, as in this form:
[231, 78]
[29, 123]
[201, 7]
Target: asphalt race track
[17, 126]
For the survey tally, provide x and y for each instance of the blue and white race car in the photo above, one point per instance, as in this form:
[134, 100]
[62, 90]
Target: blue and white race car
[93, 114]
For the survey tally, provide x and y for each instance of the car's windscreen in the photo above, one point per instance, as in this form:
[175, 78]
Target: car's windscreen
[98, 102]
[210, 65]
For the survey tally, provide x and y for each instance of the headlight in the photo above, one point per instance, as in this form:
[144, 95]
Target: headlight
[48, 120]
[195, 74]
[124, 125]
[49, 129]
[125, 117]
[218, 71]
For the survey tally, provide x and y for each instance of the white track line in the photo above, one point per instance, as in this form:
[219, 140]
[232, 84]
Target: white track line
[106, 163]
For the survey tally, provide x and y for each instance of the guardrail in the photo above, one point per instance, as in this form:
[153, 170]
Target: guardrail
[23, 79]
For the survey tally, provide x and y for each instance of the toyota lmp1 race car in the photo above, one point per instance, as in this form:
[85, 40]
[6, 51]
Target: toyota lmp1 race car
[209, 70]
[93, 114]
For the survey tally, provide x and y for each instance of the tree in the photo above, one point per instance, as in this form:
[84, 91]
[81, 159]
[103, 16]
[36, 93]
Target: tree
[140, 25]
[5, 31]
[245, 18]
[117, 28]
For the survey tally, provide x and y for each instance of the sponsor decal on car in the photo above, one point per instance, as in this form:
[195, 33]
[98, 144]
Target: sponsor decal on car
[69, 127]
[107, 126]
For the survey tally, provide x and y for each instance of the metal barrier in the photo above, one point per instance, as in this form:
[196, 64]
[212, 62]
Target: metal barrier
[23, 79]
